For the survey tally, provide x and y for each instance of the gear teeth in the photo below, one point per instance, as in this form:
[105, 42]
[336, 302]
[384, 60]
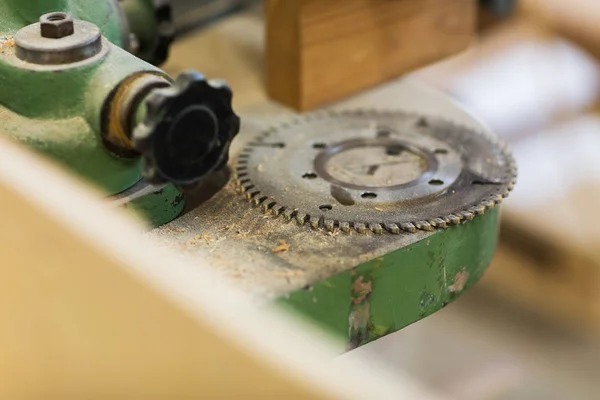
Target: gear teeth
[439, 223]
[455, 220]
[258, 200]
[329, 225]
[276, 210]
[467, 215]
[488, 204]
[267, 204]
[478, 209]
[301, 218]
[408, 227]
[360, 227]
[246, 189]
[314, 222]
[392, 228]
[376, 228]
[345, 227]
[497, 198]
[289, 214]
[250, 194]
[424, 225]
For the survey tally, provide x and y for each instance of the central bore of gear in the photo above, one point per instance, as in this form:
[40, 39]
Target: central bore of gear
[376, 165]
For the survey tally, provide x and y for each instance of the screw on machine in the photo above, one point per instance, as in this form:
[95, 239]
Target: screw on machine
[57, 25]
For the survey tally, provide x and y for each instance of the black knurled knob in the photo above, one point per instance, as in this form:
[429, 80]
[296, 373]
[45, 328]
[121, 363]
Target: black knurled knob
[187, 130]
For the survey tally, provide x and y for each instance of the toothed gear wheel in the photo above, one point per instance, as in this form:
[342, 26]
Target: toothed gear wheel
[187, 131]
[372, 171]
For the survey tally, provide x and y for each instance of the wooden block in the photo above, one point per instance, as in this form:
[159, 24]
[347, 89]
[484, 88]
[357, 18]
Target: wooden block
[322, 51]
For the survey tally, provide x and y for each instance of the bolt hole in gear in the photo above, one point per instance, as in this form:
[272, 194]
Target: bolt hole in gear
[379, 172]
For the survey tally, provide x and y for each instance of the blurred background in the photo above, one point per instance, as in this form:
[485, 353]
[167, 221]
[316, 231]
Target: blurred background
[530, 329]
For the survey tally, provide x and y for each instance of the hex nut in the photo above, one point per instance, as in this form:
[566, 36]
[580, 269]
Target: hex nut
[56, 25]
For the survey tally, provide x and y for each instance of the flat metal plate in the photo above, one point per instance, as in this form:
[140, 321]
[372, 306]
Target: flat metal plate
[375, 170]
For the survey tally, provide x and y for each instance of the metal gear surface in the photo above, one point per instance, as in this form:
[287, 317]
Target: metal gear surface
[375, 171]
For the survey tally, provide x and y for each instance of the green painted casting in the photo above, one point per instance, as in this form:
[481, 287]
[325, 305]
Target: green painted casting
[59, 113]
[159, 207]
[388, 293]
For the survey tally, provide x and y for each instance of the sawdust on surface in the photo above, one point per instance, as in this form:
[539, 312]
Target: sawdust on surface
[283, 246]
[6, 43]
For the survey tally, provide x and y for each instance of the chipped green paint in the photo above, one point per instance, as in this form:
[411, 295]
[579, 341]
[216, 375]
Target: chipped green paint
[158, 207]
[359, 320]
[391, 292]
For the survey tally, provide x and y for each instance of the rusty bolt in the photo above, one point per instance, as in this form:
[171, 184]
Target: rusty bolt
[56, 25]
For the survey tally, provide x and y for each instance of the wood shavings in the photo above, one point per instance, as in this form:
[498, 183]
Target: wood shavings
[6, 42]
[283, 246]
[203, 238]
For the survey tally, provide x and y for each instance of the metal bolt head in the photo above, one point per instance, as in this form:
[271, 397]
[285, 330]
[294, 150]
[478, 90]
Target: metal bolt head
[56, 25]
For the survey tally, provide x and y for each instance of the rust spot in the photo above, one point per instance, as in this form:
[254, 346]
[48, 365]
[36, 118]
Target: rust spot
[460, 281]
[361, 290]
[283, 246]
